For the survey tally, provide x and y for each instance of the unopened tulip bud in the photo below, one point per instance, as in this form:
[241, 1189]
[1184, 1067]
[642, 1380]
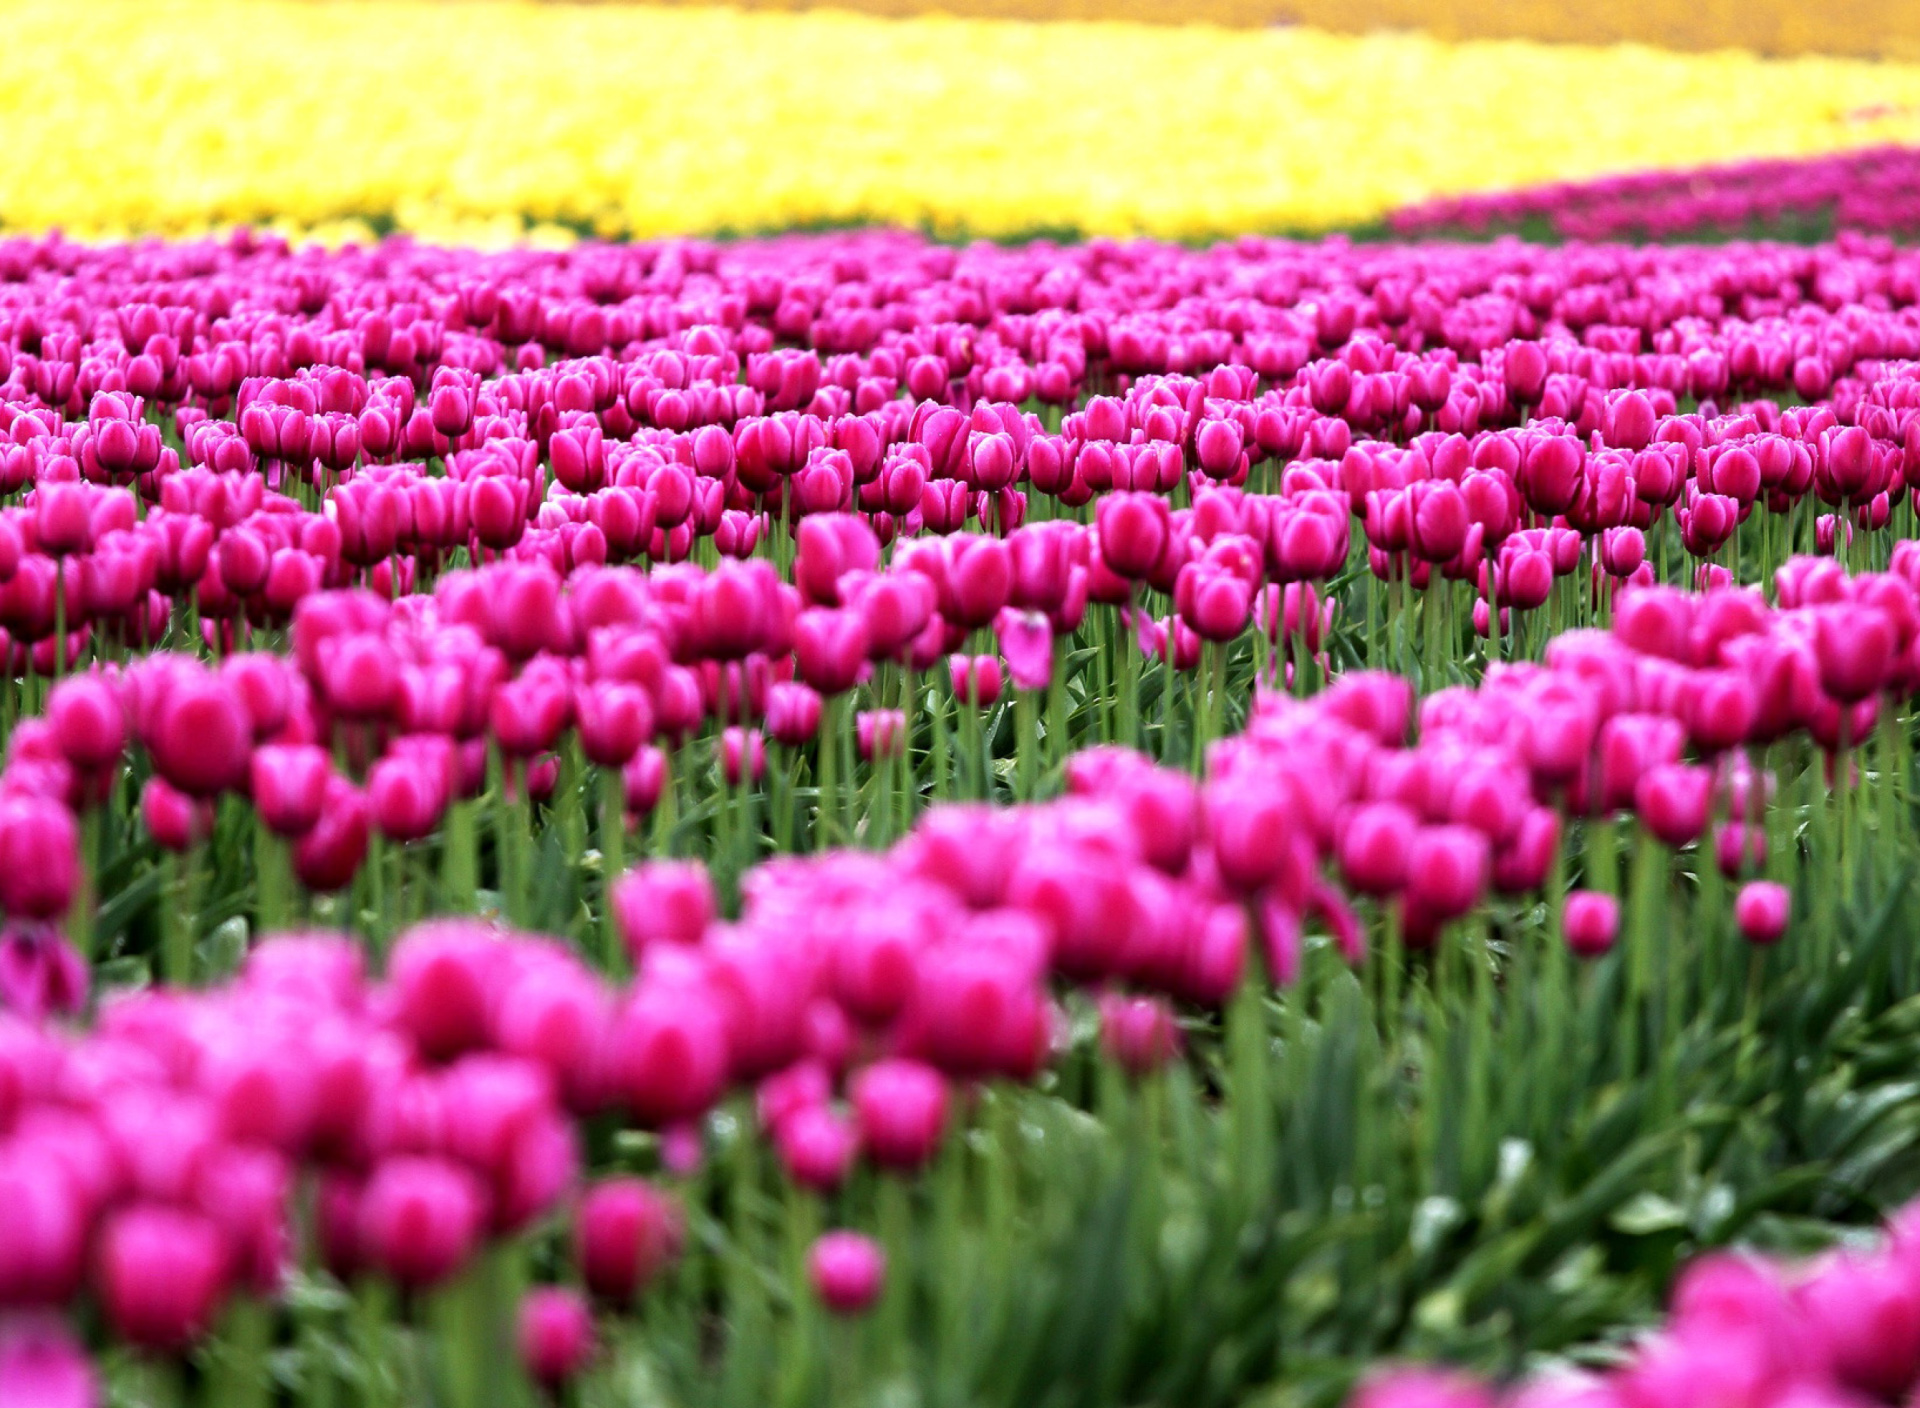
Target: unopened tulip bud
[901, 1108]
[1138, 1032]
[420, 1218]
[663, 901]
[976, 679]
[1763, 909]
[846, 1270]
[160, 1273]
[555, 1334]
[627, 1232]
[1592, 922]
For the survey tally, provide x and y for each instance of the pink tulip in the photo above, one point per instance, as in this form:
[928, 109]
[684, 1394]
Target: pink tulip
[625, 1234]
[1763, 910]
[846, 1270]
[1592, 922]
[555, 1334]
[1140, 1033]
[160, 1273]
[43, 1366]
[420, 1219]
[901, 1109]
[663, 902]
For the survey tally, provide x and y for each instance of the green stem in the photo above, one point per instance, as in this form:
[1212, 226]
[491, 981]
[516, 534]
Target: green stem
[613, 836]
[829, 796]
[270, 871]
[1028, 744]
[460, 863]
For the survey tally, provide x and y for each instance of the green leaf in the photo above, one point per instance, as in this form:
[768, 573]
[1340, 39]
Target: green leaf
[1646, 1213]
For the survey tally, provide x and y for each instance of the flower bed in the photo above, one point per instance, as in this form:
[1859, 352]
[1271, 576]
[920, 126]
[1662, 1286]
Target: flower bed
[1101, 821]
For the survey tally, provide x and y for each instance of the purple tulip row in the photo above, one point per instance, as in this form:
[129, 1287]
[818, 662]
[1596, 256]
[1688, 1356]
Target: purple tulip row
[1874, 191]
[293, 424]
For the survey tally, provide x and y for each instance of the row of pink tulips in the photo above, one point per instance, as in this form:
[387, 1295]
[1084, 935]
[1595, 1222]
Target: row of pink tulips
[1875, 190]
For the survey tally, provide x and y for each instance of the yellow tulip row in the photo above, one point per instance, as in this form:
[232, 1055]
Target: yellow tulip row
[1869, 28]
[486, 119]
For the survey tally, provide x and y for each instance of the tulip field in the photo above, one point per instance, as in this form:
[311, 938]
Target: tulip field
[600, 810]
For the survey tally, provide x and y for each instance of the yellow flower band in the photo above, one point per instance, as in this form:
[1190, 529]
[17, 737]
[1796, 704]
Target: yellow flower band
[484, 120]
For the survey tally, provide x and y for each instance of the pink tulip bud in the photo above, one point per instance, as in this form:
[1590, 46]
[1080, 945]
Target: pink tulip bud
[663, 902]
[1134, 530]
[979, 580]
[1630, 421]
[1853, 646]
[1374, 846]
[614, 718]
[527, 714]
[160, 1273]
[626, 1233]
[420, 1218]
[1525, 370]
[327, 857]
[1629, 746]
[39, 857]
[831, 545]
[289, 786]
[1525, 576]
[880, 733]
[830, 649]
[406, 796]
[1437, 520]
[817, 1147]
[1738, 847]
[1139, 1033]
[846, 1270]
[555, 1334]
[793, 713]
[1213, 601]
[1523, 863]
[1217, 445]
[41, 975]
[87, 721]
[444, 975]
[1672, 801]
[176, 821]
[62, 519]
[667, 1055]
[644, 778]
[1254, 831]
[1447, 870]
[800, 1086]
[1622, 550]
[976, 679]
[901, 1108]
[43, 1366]
[360, 675]
[1026, 639]
[1763, 909]
[200, 734]
[1552, 475]
[743, 755]
[1592, 922]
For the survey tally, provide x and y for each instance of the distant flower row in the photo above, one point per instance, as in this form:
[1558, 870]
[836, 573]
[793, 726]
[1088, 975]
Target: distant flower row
[634, 120]
[1876, 189]
[1884, 29]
